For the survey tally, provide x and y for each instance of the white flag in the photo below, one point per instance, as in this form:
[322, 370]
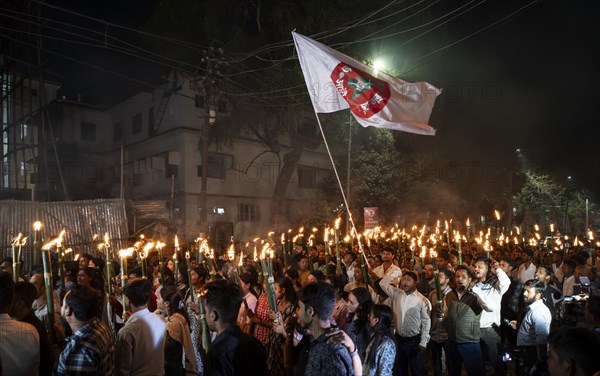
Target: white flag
[338, 82]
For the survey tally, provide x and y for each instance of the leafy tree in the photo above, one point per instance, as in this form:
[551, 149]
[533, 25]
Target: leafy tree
[543, 201]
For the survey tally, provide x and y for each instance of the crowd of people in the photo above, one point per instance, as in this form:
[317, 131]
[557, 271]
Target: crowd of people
[379, 312]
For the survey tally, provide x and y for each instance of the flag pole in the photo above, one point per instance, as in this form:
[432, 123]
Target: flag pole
[337, 176]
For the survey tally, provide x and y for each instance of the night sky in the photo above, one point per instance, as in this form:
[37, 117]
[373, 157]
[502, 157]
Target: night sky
[528, 82]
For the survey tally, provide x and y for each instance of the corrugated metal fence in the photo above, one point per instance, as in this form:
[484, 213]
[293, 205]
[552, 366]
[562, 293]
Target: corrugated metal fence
[81, 220]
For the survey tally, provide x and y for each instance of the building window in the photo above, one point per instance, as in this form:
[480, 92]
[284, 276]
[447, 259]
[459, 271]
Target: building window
[118, 131]
[88, 132]
[199, 101]
[136, 126]
[307, 177]
[218, 164]
[248, 212]
[151, 121]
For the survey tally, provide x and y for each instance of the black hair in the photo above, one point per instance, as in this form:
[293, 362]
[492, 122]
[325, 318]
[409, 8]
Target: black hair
[175, 299]
[292, 274]
[7, 291]
[448, 273]
[528, 252]
[290, 293]
[548, 268]
[224, 297]
[321, 297]
[182, 270]
[539, 286]
[391, 250]
[365, 303]
[489, 276]
[25, 291]
[99, 262]
[167, 276]
[136, 271]
[84, 301]
[71, 267]
[381, 330]
[86, 255]
[466, 269]
[201, 271]
[248, 278]
[571, 263]
[97, 281]
[509, 261]
[319, 275]
[576, 343]
[412, 275]
[351, 254]
[138, 291]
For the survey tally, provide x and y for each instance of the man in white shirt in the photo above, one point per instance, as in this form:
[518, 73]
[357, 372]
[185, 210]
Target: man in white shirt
[527, 269]
[568, 269]
[412, 320]
[141, 342]
[19, 341]
[387, 258]
[490, 294]
[535, 327]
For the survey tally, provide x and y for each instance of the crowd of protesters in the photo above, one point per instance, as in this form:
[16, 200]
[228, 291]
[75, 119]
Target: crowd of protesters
[377, 311]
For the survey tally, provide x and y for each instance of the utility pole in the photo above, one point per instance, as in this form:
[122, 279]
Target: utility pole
[209, 88]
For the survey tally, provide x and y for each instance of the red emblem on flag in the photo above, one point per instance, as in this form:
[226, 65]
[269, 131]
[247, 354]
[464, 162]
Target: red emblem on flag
[365, 94]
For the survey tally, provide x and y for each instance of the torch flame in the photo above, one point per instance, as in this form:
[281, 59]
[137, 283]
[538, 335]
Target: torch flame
[148, 247]
[126, 252]
[176, 242]
[37, 225]
[17, 240]
[231, 252]
[337, 223]
[497, 214]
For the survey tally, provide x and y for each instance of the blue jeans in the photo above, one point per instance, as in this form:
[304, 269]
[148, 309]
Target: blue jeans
[407, 353]
[468, 354]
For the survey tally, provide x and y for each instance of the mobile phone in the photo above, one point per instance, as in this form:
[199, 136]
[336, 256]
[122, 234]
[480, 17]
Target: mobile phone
[585, 281]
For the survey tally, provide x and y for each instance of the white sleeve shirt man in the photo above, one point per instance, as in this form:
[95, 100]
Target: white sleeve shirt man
[491, 297]
[535, 327]
[411, 311]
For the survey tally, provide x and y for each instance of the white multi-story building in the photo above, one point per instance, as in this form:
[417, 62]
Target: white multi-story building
[160, 133]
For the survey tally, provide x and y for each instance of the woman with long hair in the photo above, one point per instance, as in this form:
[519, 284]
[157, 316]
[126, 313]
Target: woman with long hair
[358, 328]
[180, 358]
[381, 352]
[286, 307]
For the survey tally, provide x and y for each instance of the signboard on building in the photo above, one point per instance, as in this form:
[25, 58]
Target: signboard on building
[371, 216]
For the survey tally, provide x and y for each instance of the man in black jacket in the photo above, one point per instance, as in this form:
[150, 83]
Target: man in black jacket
[233, 352]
